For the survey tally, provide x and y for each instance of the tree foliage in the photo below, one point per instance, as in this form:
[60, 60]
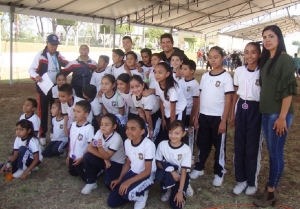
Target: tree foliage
[124, 29]
[106, 27]
[297, 43]
[153, 34]
[64, 22]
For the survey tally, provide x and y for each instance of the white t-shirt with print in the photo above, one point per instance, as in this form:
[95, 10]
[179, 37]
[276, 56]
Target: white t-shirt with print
[213, 89]
[80, 137]
[244, 78]
[33, 146]
[190, 91]
[58, 130]
[180, 156]
[34, 119]
[139, 154]
[113, 103]
[149, 103]
[175, 95]
[113, 143]
[97, 77]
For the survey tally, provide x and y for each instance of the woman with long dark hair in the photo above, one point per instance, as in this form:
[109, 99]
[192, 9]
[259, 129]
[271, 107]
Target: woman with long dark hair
[278, 85]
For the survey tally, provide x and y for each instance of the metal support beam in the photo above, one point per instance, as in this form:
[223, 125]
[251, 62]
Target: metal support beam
[11, 20]
[114, 34]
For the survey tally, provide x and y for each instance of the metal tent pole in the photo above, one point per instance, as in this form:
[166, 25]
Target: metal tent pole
[114, 35]
[11, 20]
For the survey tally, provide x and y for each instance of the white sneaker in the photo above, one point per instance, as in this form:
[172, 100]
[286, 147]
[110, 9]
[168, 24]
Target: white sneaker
[189, 191]
[88, 188]
[251, 190]
[140, 204]
[166, 196]
[240, 187]
[195, 174]
[218, 181]
[43, 141]
[64, 154]
[18, 173]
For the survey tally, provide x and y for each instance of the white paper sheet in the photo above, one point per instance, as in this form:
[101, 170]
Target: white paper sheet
[46, 83]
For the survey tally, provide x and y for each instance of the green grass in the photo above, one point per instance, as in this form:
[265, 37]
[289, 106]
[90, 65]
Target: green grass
[52, 186]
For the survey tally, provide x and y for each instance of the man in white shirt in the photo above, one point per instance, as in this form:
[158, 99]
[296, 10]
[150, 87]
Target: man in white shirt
[47, 61]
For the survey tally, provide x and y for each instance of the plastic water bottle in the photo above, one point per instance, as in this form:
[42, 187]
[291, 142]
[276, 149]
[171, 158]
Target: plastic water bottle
[8, 172]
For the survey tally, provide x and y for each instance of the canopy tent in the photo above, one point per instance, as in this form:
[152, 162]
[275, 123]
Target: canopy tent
[200, 16]
[197, 16]
[288, 25]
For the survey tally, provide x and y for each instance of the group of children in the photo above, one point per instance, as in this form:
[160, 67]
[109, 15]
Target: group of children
[133, 117]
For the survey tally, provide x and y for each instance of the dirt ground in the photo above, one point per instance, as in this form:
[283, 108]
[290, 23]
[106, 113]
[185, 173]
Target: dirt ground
[52, 187]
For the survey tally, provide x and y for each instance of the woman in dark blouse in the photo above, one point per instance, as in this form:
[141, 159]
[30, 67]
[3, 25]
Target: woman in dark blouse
[278, 85]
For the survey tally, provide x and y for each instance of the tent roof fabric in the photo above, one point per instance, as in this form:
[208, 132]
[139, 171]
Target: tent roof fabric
[286, 24]
[200, 16]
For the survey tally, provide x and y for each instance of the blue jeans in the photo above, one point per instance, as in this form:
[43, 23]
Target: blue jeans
[275, 145]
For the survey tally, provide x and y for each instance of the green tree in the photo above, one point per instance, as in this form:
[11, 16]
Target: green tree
[191, 42]
[153, 34]
[297, 43]
[123, 30]
[67, 25]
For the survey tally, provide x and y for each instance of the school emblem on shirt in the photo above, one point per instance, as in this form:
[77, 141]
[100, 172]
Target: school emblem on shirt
[218, 83]
[179, 157]
[257, 82]
[113, 103]
[141, 156]
[80, 137]
[188, 88]
[61, 126]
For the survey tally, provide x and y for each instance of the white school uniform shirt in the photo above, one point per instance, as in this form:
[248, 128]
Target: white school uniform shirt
[149, 103]
[58, 130]
[114, 143]
[212, 92]
[139, 154]
[95, 107]
[136, 72]
[34, 119]
[55, 92]
[176, 78]
[97, 77]
[116, 71]
[33, 146]
[112, 104]
[80, 137]
[180, 156]
[247, 80]
[175, 95]
[68, 110]
[190, 91]
[129, 105]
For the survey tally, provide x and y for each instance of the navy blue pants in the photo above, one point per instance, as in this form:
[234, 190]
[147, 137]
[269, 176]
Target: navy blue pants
[161, 176]
[247, 142]
[76, 170]
[93, 165]
[44, 102]
[207, 137]
[54, 148]
[134, 191]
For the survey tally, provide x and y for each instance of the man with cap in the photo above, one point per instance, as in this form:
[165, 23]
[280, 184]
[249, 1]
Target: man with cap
[47, 61]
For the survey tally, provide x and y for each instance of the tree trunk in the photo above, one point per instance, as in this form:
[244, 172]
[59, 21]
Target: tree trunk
[37, 24]
[42, 30]
[66, 28]
[17, 27]
[54, 25]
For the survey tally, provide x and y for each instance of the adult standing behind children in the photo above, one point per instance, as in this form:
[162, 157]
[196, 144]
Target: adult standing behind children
[166, 43]
[278, 85]
[47, 61]
[82, 68]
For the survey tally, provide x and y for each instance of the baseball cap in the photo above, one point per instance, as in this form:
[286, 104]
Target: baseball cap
[53, 39]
